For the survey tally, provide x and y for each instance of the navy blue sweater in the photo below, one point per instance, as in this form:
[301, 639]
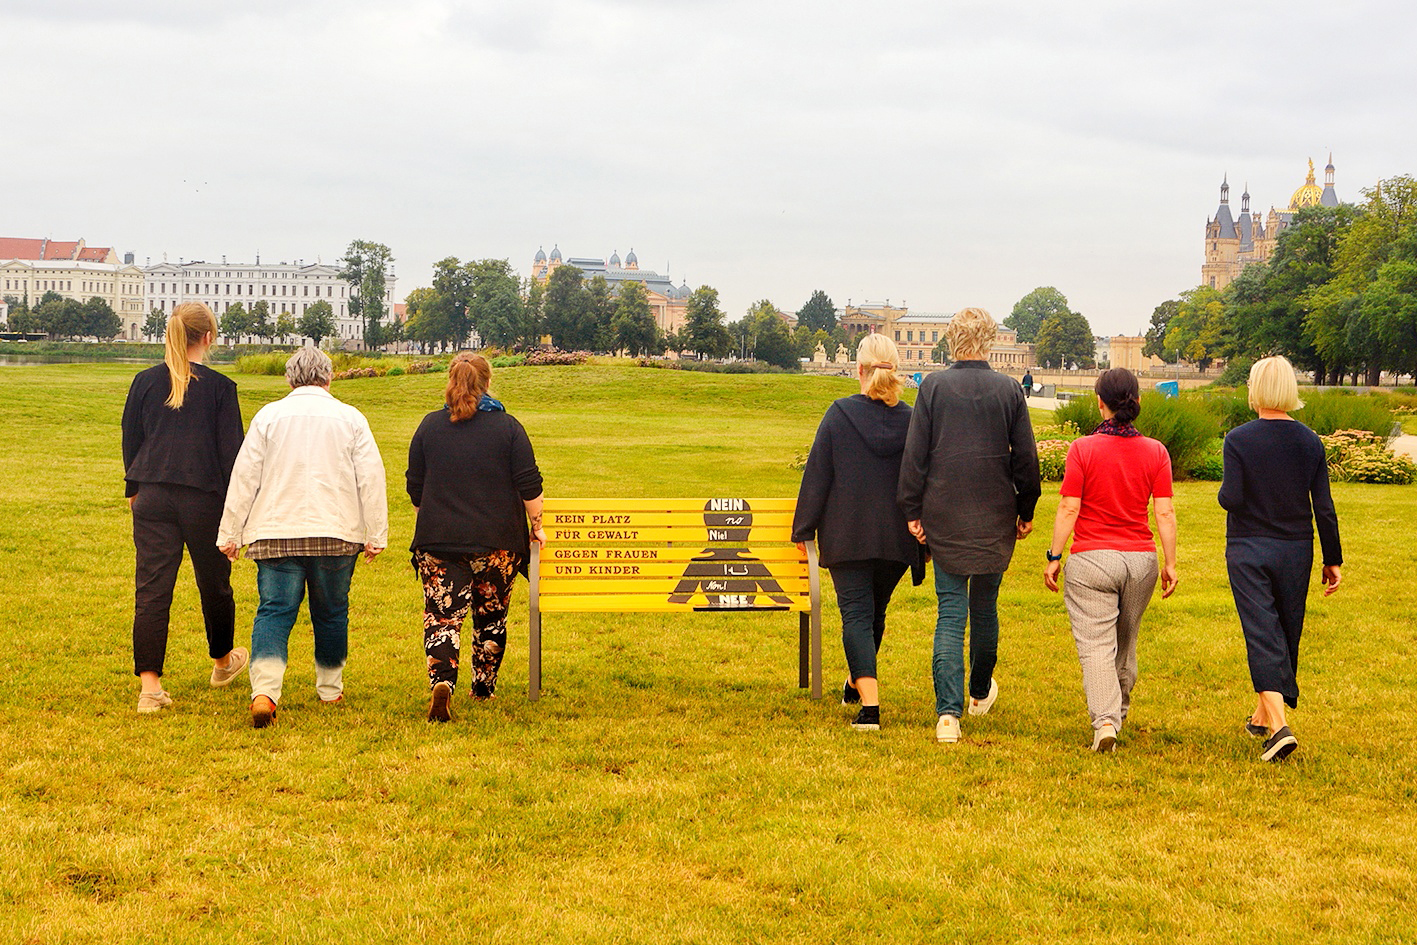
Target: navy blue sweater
[1273, 469]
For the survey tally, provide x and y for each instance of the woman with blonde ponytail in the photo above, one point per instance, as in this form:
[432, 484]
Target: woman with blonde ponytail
[181, 433]
[847, 503]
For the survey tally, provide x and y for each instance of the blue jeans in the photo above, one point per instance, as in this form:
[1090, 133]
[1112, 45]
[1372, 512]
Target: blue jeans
[282, 583]
[974, 597]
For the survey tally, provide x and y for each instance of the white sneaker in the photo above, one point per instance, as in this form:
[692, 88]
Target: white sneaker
[982, 706]
[947, 729]
[1105, 738]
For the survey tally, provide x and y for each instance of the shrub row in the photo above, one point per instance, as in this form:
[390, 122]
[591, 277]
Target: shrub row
[716, 367]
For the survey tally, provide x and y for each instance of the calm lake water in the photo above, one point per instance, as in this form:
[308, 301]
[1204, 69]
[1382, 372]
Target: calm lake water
[20, 360]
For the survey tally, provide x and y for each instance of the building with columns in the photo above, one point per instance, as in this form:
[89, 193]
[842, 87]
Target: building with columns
[31, 267]
[286, 288]
[667, 301]
[1232, 243]
[917, 333]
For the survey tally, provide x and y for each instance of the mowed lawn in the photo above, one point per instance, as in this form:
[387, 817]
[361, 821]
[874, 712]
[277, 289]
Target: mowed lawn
[674, 784]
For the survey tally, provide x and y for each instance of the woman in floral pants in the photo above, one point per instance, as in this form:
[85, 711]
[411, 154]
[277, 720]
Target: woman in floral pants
[475, 485]
[452, 587]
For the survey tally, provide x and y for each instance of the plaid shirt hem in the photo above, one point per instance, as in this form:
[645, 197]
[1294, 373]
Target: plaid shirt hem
[300, 548]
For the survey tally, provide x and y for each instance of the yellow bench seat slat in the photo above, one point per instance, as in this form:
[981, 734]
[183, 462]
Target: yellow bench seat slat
[558, 555]
[609, 572]
[562, 504]
[657, 517]
[695, 534]
[664, 586]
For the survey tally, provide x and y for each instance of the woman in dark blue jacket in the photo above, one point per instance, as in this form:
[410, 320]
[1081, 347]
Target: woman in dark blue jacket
[847, 503]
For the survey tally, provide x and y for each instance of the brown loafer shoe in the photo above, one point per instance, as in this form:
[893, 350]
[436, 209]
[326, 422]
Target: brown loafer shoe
[263, 711]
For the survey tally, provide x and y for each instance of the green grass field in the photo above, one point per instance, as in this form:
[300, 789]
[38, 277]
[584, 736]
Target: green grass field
[673, 784]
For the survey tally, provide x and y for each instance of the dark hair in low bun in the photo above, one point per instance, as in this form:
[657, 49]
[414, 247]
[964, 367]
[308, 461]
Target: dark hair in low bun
[1120, 391]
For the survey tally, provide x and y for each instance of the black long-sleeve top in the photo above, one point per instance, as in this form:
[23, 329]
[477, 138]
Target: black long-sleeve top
[1276, 485]
[970, 469]
[194, 445]
[847, 498]
[469, 481]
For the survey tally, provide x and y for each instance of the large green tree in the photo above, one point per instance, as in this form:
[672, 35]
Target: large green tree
[1031, 311]
[1065, 339]
[1363, 311]
[1155, 345]
[1197, 330]
[563, 309]
[769, 337]
[704, 330]
[155, 325]
[235, 322]
[365, 267]
[495, 307]
[317, 322]
[818, 312]
[99, 319]
[429, 319]
[633, 322]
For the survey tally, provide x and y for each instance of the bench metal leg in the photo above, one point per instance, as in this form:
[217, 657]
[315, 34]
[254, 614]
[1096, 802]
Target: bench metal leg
[804, 634]
[533, 640]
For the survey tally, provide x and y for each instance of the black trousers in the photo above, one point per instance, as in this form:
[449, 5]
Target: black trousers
[1269, 578]
[165, 518]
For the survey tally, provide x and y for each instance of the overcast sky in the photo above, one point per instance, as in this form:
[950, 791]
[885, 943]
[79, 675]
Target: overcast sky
[936, 153]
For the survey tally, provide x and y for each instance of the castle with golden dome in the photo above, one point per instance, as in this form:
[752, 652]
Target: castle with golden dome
[1233, 243]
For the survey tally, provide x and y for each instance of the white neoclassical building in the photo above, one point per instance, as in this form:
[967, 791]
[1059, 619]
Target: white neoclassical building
[286, 288]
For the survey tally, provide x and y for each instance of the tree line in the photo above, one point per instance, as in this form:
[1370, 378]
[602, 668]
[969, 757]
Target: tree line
[60, 317]
[1338, 296]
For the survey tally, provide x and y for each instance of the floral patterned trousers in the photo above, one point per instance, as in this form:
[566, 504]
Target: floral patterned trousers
[453, 586]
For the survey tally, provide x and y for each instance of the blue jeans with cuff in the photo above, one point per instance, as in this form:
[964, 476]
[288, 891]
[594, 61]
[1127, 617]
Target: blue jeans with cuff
[282, 583]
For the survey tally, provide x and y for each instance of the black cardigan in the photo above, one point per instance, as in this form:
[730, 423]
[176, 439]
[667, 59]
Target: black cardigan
[1272, 468]
[847, 499]
[194, 445]
[468, 481]
[970, 470]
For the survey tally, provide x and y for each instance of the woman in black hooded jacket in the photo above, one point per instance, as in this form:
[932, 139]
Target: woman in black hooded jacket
[847, 503]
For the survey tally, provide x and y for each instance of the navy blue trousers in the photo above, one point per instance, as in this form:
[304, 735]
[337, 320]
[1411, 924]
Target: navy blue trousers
[863, 590]
[1269, 578]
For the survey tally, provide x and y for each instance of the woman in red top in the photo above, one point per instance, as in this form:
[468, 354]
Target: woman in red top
[1107, 483]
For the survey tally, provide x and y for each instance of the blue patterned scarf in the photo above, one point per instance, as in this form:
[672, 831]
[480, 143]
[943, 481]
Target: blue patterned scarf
[488, 402]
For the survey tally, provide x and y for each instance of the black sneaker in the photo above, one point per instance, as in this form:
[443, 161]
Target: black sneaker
[1258, 731]
[849, 695]
[868, 719]
[1280, 745]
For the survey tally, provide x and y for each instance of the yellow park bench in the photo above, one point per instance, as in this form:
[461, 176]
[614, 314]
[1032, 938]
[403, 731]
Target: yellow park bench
[675, 555]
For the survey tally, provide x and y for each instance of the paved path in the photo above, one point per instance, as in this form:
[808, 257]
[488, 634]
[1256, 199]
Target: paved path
[1405, 445]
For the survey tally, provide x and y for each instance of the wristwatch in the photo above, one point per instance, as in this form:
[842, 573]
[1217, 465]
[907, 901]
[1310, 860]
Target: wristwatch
[1053, 557]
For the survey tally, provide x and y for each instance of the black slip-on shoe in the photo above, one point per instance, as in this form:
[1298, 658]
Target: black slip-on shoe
[1280, 745]
[849, 695]
[1258, 731]
[868, 719]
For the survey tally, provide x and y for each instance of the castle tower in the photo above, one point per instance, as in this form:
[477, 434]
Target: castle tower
[1330, 196]
[538, 265]
[631, 261]
[1222, 244]
[615, 259]
[1307, 195]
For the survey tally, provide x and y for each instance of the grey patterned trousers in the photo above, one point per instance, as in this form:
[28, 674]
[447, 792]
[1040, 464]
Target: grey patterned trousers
[1106, 593]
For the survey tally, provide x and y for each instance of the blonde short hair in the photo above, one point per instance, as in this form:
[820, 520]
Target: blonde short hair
[971, 331]
[879, 356]
[1273, 385]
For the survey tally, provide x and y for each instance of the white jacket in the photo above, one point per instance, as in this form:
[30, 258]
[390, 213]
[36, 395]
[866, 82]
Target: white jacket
[309, 468]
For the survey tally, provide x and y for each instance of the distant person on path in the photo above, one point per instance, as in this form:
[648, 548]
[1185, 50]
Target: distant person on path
[968, 486]
[847, 504]
[181, 434]
[306, 497]
[1275, 487]
[474, 482]
[1109, 479]
[1027, 384]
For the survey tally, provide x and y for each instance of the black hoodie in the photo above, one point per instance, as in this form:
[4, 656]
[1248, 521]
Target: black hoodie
[847, 501]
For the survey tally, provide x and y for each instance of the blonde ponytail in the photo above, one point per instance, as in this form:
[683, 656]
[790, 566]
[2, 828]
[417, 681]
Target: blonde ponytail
[189, 322]
[877, 354]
